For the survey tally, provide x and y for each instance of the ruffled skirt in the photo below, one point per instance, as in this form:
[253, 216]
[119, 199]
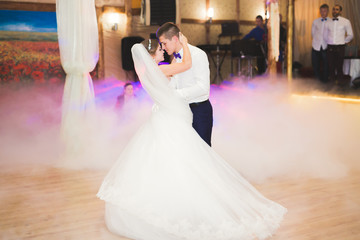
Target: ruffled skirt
[168, 184]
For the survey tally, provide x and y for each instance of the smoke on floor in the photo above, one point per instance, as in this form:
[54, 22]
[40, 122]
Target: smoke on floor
[260, 128]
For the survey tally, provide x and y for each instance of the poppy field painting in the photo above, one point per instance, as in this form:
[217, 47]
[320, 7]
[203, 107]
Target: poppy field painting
[29, 49]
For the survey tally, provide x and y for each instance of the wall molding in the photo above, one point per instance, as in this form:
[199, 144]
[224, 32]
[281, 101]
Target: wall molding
[51, 7]
[106, 8]
[215, 21]
[28, 6]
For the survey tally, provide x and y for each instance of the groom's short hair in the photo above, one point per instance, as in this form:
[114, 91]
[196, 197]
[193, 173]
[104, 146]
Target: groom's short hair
[324, 6]
[168, 29]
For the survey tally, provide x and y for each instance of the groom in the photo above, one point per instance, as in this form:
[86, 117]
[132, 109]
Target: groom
[193, 84]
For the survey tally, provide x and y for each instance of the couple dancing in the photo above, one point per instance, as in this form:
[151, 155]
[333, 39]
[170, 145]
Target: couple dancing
[168, 183]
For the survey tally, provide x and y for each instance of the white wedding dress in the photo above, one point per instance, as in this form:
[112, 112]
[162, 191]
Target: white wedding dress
[168, 184]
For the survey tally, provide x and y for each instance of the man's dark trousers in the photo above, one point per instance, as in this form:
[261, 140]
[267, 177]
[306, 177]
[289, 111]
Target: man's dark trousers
[336, 54]
[203, 119]
[318, 57]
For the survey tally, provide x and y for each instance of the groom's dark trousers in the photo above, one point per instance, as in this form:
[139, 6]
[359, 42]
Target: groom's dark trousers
[203, 119]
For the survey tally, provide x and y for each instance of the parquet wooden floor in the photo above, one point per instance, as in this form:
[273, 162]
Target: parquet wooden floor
[41, 202]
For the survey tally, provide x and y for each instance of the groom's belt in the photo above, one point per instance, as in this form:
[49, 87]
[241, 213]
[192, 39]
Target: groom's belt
[195, 104]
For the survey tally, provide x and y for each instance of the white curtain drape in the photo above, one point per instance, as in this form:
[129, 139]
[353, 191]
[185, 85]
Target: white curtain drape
[79, 52]
[308, 10]
[275, 30]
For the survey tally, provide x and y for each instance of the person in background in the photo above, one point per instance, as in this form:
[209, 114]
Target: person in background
[258, 34]
[282, 45]
[337, 33]
[127, 95]
[318, 54]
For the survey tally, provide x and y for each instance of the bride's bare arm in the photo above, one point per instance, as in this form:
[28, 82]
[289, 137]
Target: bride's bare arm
[186, 63]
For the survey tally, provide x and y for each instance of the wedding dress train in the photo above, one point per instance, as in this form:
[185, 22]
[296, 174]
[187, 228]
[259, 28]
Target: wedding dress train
[168, 184]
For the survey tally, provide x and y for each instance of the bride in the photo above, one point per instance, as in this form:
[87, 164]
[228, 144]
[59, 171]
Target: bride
[168, 184]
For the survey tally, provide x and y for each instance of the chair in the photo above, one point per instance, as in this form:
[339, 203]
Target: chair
[229, 29]
[249, 50]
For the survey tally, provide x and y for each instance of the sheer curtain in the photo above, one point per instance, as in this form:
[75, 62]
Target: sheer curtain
[79, 52]
[352, 12]
[308, 10]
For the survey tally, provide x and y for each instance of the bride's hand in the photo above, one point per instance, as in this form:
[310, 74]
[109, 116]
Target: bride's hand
[183, 39]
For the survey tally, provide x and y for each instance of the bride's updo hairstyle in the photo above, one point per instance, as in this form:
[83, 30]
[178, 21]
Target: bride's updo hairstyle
[151, 45]
[169, 30]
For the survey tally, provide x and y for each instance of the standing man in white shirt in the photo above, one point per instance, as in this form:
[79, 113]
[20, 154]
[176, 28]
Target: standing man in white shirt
[319, 45]
[337, 33]
[194, 84]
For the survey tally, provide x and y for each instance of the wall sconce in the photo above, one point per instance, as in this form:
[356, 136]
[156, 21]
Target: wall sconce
[210, 14]
[113, 20]
[115, 27]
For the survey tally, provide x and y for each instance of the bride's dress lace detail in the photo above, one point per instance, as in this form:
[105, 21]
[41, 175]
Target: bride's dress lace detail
[243, 229]
[185, 228]
[168, 184]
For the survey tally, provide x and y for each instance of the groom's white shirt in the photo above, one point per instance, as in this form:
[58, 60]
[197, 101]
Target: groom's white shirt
[193, 84]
